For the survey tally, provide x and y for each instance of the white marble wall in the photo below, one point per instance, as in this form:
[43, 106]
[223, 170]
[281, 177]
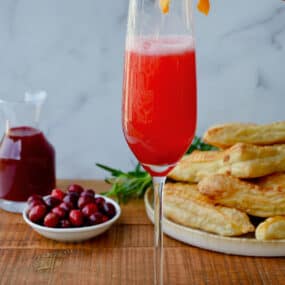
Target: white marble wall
[74, 50]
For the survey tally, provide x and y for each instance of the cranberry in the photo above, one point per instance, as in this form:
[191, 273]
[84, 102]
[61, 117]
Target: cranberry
[58, 194]
[84, 200]
[59, 211]
[76, 218]
[52, 202]
[89, 209]
[88, 192]
[66, 206]
[74, 194]
[51, 220]
[71, 199]
[87, 223]
[34, 198]
[37, 213]
[105, 219]
[100, 200]
[75, 188]
[35, 203]
[96, 218]
[109, 210]
[65, 223]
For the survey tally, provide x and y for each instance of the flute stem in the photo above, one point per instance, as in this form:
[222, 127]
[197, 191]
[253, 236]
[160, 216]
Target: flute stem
[158, 183]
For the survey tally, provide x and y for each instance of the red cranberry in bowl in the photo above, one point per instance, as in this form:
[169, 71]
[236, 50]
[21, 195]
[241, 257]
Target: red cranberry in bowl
[66, 206]
[35, 203]
[65, 223]
[109, 210]
[52, 202]
[75, 195]
[75, 188]
[105, 219]
[88, 192]
[84, 200]
[71, 199]
[58, 194]
[59, 211]
[37, 213]
[35, 198]
[96, 218]
[89, 209]
[100, 201]
[76, 218]
[51, 220]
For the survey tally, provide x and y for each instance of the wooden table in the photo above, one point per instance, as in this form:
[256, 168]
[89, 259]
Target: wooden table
[123, 255]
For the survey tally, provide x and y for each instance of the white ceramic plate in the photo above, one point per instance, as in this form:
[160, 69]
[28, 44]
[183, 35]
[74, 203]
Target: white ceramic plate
[247, 246]
[75, 234]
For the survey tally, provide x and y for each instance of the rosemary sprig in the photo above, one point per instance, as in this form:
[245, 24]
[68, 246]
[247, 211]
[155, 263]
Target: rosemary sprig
[127, 185]
[133, 184]
[198, 144]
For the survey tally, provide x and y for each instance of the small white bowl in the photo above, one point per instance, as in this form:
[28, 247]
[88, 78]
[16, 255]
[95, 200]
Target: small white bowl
[75, 234]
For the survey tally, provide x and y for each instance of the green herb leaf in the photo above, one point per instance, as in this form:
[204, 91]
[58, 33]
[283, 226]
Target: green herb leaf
[127, 185]
[198, 144]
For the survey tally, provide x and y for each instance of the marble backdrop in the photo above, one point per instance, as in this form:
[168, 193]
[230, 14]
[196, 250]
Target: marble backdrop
[74, 50]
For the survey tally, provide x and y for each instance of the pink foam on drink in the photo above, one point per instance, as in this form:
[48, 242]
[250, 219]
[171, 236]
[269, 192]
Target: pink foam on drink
[160, 46]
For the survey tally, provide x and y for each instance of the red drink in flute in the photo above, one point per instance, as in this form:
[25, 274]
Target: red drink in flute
[159, 104]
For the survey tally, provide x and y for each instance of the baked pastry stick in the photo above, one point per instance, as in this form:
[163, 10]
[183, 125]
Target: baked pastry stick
[276, 180]
[226, 135]
[271, 228]
[184, 205]
[248, 197]
[241, 160]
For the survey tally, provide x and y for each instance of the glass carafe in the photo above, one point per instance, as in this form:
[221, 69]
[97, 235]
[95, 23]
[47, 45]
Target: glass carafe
[27, 159]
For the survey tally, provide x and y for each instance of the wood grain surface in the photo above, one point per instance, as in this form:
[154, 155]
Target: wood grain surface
[123, 255]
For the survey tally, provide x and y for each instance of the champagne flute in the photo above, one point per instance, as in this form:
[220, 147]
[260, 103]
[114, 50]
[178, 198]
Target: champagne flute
[159, 95]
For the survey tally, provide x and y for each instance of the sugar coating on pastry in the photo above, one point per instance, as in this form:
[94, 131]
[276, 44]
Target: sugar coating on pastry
[241, 160]
[272, 228]
[252, 198]
[226, 135]
[184, 205]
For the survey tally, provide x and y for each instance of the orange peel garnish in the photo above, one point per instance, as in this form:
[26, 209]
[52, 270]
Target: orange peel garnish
[204, 6]
[164, 6]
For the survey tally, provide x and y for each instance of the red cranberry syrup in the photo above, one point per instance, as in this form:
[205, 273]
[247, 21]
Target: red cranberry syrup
[27, 164]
